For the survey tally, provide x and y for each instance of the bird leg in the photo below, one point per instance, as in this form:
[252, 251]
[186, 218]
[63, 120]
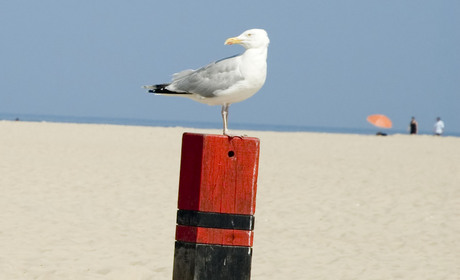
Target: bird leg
[224, 117]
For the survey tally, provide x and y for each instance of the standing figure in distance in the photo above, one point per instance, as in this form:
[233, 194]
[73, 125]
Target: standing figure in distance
[439, 127]
[413, 126]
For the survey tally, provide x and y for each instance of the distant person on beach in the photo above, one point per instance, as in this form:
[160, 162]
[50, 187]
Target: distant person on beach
[439, 127]
[413, 126]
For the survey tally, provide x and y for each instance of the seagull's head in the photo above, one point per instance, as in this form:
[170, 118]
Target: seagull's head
[253, 38]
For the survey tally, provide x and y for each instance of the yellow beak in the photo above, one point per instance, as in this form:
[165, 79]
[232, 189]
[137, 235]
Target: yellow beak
[233, 40]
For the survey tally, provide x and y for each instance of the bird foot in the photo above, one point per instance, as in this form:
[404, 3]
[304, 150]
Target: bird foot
[235, 135]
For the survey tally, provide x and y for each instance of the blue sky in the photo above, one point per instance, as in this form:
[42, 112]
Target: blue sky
[330, 63]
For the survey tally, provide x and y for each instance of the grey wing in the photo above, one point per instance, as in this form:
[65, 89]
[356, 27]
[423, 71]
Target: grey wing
[210, 79]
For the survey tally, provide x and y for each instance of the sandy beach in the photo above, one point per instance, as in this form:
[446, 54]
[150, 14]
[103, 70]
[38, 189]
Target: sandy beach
[81, 201]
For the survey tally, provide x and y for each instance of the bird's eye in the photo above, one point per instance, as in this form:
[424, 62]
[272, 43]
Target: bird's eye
[249, 34]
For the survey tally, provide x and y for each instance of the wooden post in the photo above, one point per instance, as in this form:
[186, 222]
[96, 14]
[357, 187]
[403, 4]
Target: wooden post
[217, 200]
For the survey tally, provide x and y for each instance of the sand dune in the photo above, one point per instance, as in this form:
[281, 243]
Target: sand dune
[99, 202]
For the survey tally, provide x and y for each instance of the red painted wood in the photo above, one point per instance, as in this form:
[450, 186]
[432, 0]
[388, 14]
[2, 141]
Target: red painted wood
[218, 173]
[230, 237]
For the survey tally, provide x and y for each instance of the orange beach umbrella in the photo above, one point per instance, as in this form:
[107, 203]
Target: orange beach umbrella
[380, 121]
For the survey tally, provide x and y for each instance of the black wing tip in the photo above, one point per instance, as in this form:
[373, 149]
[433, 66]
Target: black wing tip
[161, 89]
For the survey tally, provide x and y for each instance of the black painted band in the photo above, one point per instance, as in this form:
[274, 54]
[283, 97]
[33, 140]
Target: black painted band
[215, 220]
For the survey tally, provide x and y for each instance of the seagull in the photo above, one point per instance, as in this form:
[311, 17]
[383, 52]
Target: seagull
[226, 81]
